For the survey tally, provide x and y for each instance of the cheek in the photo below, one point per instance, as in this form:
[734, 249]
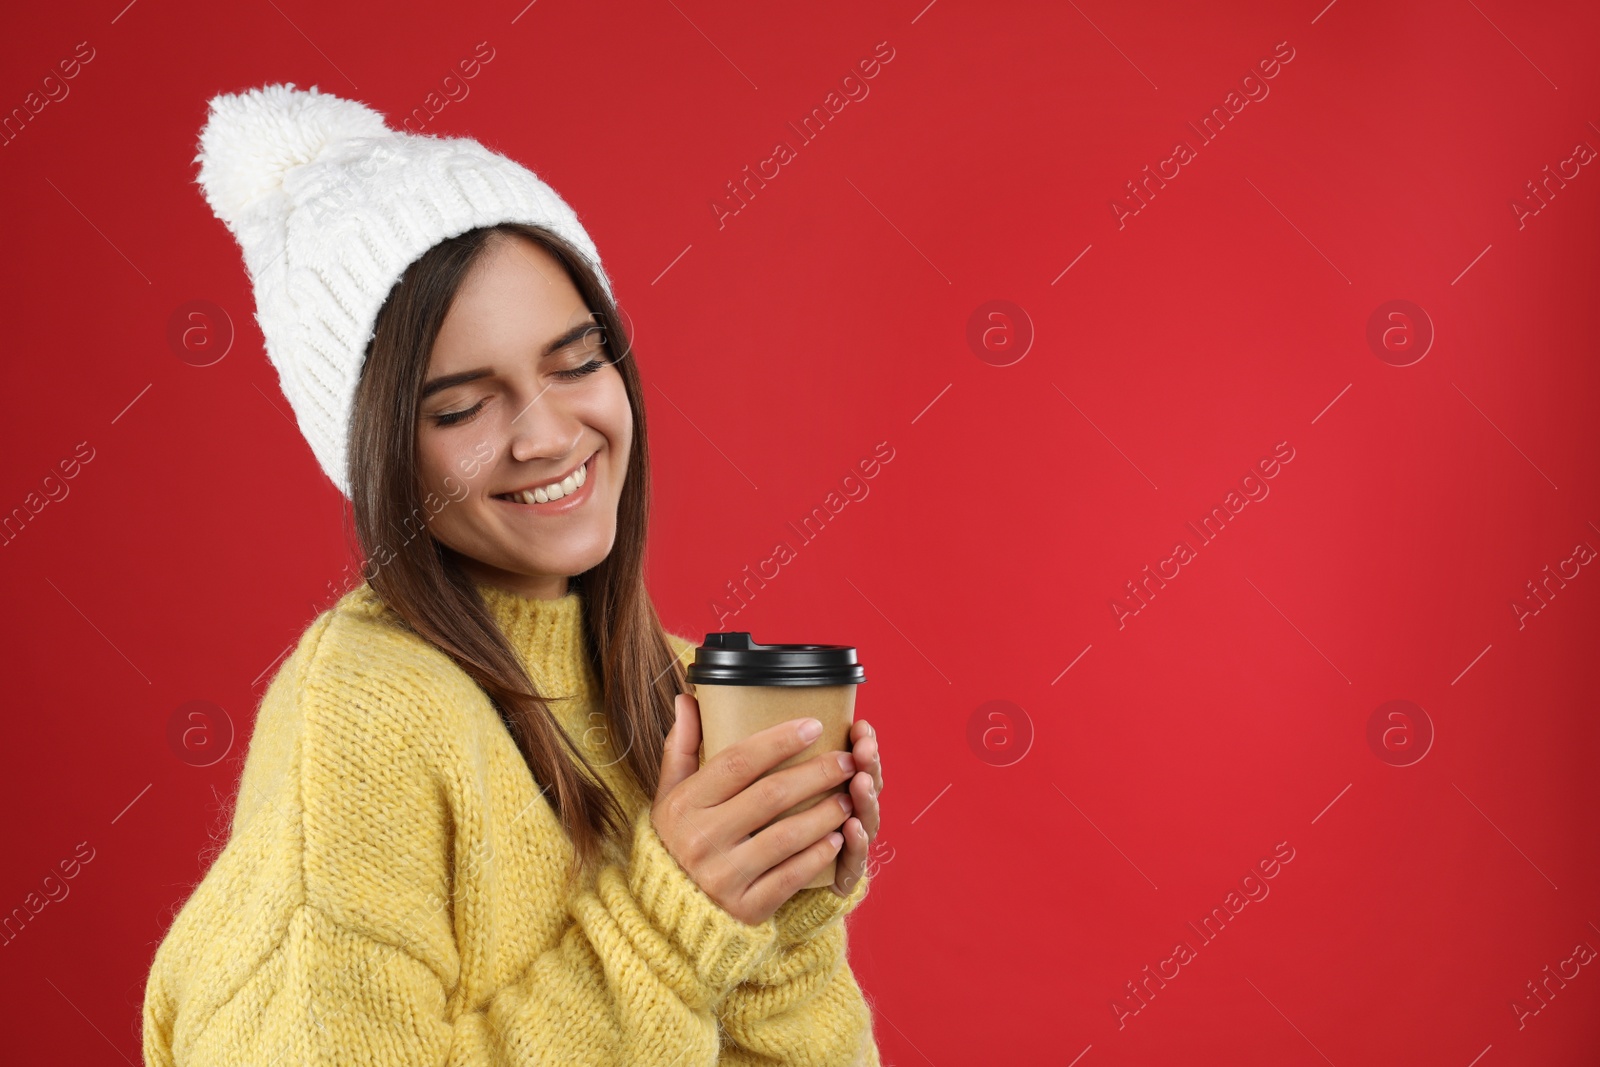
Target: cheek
[430, 467]
[613, 417]
[440, 459]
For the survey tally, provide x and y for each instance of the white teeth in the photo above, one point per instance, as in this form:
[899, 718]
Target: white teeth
[554, 491]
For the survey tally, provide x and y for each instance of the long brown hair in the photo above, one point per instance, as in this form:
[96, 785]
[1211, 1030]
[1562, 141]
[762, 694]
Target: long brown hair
[422, 581]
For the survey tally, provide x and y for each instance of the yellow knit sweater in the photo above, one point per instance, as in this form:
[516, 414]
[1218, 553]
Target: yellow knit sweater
[391, 891]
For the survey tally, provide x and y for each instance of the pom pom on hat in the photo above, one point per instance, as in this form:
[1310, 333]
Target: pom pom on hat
[253, 139]
[330, 206]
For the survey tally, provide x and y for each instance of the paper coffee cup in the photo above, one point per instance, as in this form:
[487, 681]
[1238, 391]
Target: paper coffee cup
[744, 687]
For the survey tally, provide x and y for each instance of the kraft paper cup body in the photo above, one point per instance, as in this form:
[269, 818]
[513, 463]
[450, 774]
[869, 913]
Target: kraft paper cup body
[731, 713]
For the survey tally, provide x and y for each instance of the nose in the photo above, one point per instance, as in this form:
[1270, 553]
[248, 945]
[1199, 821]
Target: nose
[545, 430]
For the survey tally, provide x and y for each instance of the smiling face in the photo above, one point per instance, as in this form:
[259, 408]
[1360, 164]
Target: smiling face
[519, 393]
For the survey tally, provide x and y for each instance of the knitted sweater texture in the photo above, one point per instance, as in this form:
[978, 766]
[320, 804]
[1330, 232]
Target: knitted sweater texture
[391, 891]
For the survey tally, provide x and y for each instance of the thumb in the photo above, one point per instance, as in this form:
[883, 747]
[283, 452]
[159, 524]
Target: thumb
[681, 757]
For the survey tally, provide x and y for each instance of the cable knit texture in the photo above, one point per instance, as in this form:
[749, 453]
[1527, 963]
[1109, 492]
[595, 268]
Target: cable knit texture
[391, 892]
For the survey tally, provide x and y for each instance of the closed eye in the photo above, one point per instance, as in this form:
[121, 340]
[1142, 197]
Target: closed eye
[451, 418]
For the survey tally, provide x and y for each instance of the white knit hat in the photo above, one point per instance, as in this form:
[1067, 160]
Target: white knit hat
[330, 206]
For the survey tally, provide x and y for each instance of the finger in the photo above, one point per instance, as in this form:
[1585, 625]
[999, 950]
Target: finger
[728, 772]
[866, 803]
[868, 759]
[784, 880]
[859, 729]
[681, 757]
[782, 790]
[785, 837]
[852, 858]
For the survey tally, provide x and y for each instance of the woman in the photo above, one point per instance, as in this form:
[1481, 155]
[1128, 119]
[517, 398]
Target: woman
[472, 826]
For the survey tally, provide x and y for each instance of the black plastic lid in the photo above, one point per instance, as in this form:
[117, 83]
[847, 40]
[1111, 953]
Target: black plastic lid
[734, 659]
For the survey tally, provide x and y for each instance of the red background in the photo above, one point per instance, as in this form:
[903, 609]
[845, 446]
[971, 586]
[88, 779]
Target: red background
[1012, 902]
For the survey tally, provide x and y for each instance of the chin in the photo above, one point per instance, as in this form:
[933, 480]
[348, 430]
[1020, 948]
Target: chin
[576, 560]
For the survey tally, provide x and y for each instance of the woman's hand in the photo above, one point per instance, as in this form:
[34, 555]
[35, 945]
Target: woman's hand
[707, 816]
[861, 829]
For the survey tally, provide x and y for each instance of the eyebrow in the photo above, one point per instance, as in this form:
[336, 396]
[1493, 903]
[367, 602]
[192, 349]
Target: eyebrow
[446, 381]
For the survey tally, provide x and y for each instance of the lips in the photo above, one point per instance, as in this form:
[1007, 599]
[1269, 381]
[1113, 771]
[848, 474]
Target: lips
[548, 482]
[567, 500]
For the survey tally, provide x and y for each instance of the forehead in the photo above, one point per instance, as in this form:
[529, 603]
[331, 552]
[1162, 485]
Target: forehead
[513, 300]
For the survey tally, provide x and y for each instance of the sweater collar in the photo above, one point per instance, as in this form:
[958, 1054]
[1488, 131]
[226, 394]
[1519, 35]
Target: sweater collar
[548, 636]
[550, 639]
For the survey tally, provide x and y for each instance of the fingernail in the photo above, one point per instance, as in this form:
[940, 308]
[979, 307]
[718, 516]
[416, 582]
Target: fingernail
[810, 730]
[847, 762]
[846, 803]
[835, 838]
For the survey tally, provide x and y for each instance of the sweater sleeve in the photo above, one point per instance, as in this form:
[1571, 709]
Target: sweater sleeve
[801, 1004]
[634, 979]
[363, 965]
